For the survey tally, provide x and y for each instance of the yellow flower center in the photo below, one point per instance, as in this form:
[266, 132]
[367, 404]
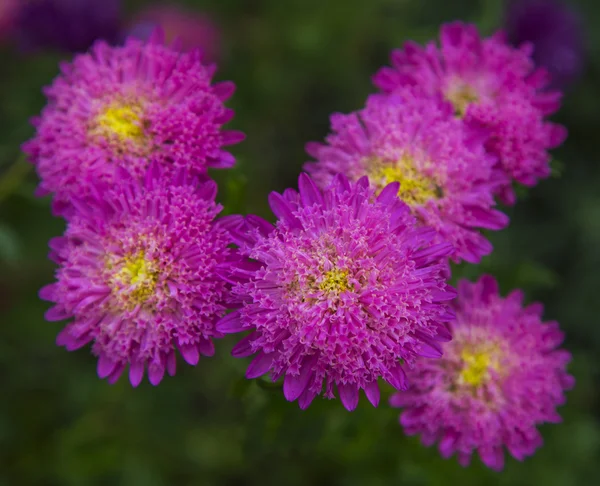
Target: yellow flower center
[135, 281]
[415, 188]
[335, 281]
[477, 364]
[461, 96]
[122, 121]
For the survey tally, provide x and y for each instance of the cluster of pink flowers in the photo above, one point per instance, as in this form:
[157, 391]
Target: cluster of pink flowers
[124, 145]
[350, 285]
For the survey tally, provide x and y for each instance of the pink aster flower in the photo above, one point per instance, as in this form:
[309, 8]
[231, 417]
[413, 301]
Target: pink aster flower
[137, 274]
[122, 106]
[501, 376]
[445, 175]
[491, 85]
[343, 290]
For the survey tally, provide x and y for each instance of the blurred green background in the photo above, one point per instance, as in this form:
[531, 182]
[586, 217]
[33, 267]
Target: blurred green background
[294, 63]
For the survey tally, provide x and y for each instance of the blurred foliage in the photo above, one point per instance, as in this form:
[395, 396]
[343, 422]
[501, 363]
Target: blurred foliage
[294, 63]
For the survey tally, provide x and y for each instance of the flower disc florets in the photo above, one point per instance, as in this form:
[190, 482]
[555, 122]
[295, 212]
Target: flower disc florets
[500, 377]
[346, 288]
[445, 175]
[138, 274]
[123, 106]
[490, 85]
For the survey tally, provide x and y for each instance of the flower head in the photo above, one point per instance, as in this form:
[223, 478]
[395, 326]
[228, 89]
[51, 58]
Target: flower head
[343, 290]
[138, 274]
[500, 377]
[555, 30]
[191, 29]
[492, 86]
[124, 106]
[67, 25]
[445, 175]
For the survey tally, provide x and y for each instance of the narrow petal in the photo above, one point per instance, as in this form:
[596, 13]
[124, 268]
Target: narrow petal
[190, 353]
[348, 395]
[372, 393]
[136, 373]
[294, 385]
[260, 365]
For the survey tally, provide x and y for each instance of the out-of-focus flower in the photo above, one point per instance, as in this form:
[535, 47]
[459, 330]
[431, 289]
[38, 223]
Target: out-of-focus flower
[137, 274]
[492, 86]
[501, 376]
[445, 175]
[8, 13]
[556, 31]
[68, 25]
[193, 30]
[124, 106]
[343, 290]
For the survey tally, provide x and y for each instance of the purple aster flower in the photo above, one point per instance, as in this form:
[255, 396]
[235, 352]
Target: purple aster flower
[122, 106]
[556, 32]
[137, 274]
[68, 25]
[490, 85]
[190, 28]
[445, 175]
[343, 290]
[501, 376]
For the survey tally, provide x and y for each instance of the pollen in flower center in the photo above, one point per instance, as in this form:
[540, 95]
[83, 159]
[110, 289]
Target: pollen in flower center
[335, 281]
[477, 365]
[461, 95]
[415, 188]
[122, 121]
[135, 280]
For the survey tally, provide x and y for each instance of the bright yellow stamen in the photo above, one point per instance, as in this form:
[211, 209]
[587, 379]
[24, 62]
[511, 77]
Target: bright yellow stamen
[123, 121]
[415, 188]
[475, 371]
[461, 96]
[335, 281]
[135, 280]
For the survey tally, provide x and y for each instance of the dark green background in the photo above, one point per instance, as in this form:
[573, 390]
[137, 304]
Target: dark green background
[294, 62]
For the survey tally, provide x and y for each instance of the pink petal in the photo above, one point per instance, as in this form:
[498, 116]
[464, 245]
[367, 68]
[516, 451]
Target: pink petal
[244, 348]
[372, 392]
[190, 353]
[309, 192]
[105, 366]
[231, 323]
[171, 363]
[136, 373]
[155, 373]
[306, 398]
[348, 395]
[47, 292]
[206, 347]
[294, 385]
[260, 365]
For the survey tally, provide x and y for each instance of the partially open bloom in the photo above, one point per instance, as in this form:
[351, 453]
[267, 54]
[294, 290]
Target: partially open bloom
[122, 106]
[445, 175]
[137, 274]
[490, 85]
[343, 290]
[192, 29]
[500, 377]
